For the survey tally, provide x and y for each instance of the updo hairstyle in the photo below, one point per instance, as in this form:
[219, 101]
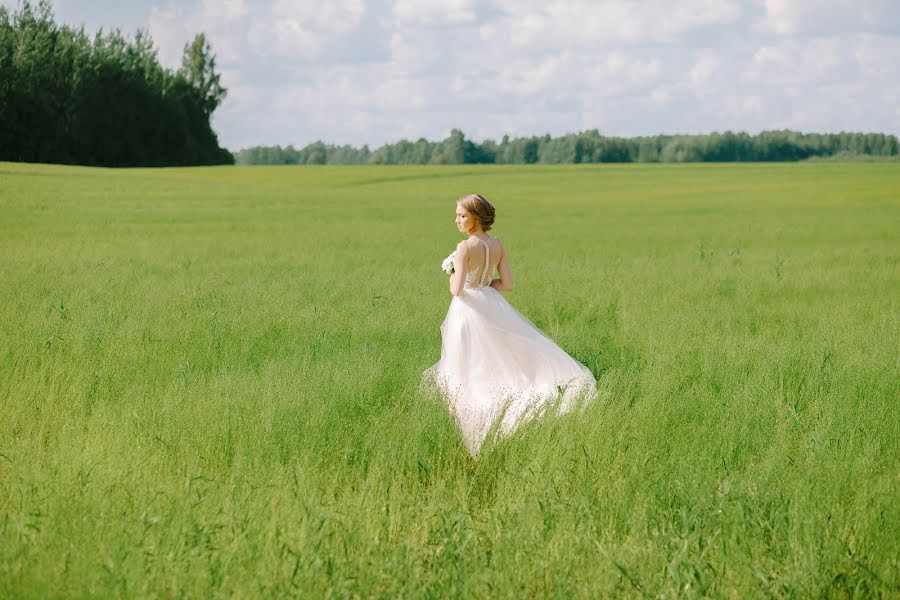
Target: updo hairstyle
[480, 208]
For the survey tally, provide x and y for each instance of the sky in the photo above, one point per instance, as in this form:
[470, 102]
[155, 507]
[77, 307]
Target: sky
[369, 72]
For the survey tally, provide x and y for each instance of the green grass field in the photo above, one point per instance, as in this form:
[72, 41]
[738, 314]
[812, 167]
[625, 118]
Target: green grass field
[209, 384]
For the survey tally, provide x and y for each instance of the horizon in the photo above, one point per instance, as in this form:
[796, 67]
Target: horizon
[567, 133]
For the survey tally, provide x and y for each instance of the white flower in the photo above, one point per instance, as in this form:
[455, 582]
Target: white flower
[448, 266]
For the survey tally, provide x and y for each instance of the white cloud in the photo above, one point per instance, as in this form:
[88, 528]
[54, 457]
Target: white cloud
[701, 74]
[334, 16]
[354, 71]
[293, 30]
[425, 52]
[230, 9]
[172, 26]
[818, 17]
[593, 23]
[618, 72]
[809, 61]
[878, 57]
[304, 28]
[743, 107]
[660, 96]
[433, 12]
[529, 77]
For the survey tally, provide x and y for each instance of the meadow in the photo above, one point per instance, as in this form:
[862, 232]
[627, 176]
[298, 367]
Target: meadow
[209, 383]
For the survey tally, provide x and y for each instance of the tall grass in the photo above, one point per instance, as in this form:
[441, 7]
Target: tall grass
[209, 384]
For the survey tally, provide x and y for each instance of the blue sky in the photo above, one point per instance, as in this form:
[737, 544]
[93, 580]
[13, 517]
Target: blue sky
[354, 71]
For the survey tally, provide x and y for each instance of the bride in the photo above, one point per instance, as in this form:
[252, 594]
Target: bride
[495, 363]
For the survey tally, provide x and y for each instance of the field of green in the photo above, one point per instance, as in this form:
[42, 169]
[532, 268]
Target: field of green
[209, 384]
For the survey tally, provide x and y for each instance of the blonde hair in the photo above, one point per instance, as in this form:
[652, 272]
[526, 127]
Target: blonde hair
[480, 208]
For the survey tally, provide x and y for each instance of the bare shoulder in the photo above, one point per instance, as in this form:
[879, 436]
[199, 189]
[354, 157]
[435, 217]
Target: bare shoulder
[502, 247]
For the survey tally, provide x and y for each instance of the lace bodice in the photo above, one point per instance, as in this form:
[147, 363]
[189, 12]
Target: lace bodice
[481, 275]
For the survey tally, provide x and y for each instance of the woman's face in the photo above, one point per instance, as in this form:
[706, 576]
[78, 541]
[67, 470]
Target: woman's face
[465, 222]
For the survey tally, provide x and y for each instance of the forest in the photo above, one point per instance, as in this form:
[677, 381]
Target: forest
[102, 100]
[587, 147]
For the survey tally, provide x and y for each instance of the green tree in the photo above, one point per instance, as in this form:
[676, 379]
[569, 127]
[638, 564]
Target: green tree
[198, 67]
[106, 100]
[591, 147]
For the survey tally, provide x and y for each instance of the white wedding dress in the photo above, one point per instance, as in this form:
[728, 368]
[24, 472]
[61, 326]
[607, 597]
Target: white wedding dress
[495, 363]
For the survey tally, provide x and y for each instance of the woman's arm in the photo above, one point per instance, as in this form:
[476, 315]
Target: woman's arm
[458, 278]
[505, 283]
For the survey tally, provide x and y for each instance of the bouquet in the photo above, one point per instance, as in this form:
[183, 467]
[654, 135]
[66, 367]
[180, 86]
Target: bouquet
[448, 266]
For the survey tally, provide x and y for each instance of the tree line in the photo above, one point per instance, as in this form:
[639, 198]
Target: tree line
[104, 100]
[586, 147]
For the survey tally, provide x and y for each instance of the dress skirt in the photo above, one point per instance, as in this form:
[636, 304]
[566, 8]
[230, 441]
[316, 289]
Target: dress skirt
[495, 363]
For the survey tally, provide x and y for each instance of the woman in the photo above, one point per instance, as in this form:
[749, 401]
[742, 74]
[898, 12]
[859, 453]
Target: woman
[494, 361]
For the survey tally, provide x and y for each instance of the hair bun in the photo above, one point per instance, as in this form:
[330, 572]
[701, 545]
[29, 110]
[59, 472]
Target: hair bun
[479, 207]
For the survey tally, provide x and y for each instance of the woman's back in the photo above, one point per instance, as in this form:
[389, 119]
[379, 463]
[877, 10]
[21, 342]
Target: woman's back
[483, 258]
